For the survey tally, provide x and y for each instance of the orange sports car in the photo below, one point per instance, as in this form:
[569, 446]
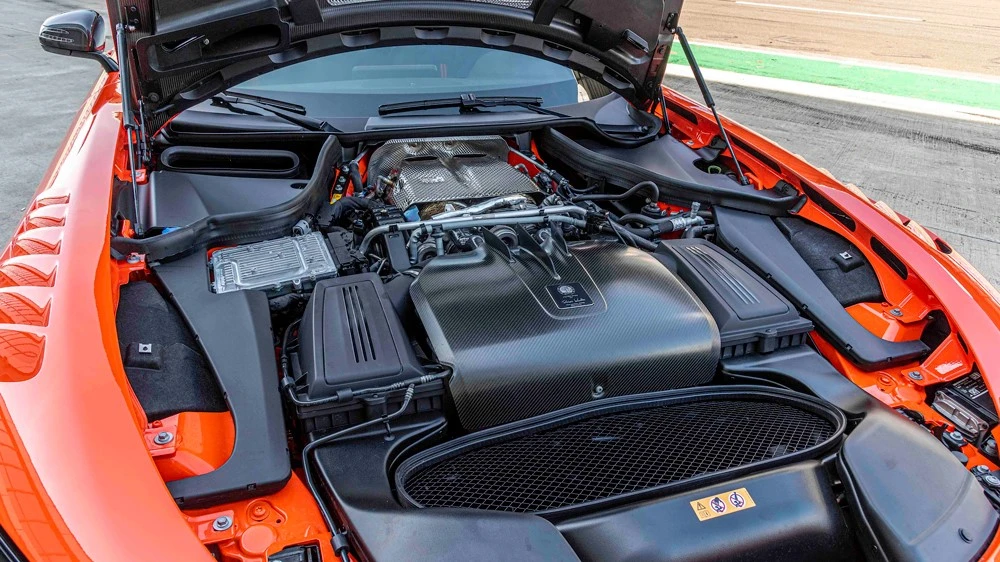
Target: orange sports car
[334, 280]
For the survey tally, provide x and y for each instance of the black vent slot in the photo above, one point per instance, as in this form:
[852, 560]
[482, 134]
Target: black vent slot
[243, 162]
[361, 333]
[622, 449]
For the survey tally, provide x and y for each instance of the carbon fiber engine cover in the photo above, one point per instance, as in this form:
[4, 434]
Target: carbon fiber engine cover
[448, 169]
[526, 335]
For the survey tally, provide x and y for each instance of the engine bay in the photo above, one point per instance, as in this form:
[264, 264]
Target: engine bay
[539, 347]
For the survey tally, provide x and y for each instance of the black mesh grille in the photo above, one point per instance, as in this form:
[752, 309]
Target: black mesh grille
[615, 454]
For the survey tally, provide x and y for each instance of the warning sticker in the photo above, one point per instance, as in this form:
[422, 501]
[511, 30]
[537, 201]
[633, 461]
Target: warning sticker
[722, 504]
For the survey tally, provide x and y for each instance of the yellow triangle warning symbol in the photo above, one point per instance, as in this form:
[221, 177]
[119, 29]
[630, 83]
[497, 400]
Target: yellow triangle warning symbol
[701, 506]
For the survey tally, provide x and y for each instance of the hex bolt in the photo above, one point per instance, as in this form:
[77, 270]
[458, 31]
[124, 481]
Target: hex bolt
[163, 437]
[991, 481]
[133, 258]
[222, 523]
[896, 312]
[915, 375]
[980, 469]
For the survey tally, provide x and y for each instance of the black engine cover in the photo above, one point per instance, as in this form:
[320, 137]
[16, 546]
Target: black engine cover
[528, 332]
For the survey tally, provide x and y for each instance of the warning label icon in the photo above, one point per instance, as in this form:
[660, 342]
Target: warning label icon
[718, 505]
[737, 500]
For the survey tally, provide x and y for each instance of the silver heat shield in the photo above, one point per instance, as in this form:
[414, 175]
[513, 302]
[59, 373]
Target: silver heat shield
[272, 265]
[448, 169]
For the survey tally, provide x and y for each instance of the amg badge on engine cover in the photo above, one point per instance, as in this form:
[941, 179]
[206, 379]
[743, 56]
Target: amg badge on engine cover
[569, 295]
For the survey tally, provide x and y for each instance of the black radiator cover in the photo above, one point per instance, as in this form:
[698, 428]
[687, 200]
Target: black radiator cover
[529, 332]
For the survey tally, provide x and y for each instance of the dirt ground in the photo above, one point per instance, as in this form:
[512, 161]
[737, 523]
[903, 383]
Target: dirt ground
[958, 35]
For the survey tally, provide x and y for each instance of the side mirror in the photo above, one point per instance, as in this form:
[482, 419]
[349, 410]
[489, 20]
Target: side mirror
[80, 33]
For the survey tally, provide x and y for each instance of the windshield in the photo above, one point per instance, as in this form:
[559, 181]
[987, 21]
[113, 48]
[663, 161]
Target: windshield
[354, 84]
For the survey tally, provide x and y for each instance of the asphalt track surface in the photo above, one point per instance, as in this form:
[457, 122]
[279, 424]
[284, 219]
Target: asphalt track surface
[943, 173]
[958, 35]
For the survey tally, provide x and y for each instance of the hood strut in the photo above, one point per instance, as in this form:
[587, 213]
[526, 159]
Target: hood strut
[709, 100]
[129, 123]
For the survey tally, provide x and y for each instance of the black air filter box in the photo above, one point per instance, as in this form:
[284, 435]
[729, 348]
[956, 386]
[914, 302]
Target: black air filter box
[350, 337]
[752, 316]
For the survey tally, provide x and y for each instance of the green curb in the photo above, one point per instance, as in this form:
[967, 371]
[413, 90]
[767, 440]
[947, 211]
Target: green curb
[960, 91]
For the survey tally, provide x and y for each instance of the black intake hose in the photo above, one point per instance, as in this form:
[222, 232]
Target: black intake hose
[334, 215]
[354, 173]
[643, 185]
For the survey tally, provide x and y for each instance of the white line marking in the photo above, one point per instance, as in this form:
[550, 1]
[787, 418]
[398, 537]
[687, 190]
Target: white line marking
[822, 11]
[833, 93]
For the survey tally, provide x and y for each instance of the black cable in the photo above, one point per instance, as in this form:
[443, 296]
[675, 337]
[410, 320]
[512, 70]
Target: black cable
[648, 185]
[637, 239]
[339, 543]
[635, 217]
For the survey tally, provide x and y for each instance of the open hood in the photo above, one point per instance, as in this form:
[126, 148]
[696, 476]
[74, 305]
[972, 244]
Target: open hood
[184, 51]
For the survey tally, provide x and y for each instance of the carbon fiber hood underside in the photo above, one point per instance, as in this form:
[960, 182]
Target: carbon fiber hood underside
[528, 332]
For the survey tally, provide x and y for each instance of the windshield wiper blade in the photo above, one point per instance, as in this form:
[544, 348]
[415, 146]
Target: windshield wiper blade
[293, 113]
[270, 102]
[468, 103]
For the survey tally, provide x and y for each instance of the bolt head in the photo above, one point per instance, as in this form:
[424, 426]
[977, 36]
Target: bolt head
[163, 437]
[896, 312]
[991, 481]
[222, 523]
[915, 375]
[133, 258]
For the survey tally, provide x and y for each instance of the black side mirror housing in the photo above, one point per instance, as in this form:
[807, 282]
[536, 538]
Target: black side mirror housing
[80, 33]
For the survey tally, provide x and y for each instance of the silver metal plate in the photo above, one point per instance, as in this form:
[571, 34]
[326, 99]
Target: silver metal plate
[272, 264]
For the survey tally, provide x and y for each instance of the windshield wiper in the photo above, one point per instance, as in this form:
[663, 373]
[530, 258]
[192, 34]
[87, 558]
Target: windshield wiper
[291, 112]
[468, 103]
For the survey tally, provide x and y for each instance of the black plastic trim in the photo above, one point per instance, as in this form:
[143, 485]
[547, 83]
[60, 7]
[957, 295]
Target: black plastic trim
[758, 242]
[917, 497]
[234, 330]
[558, 147]
[799, 519]
[243, 227]
[354, 473]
